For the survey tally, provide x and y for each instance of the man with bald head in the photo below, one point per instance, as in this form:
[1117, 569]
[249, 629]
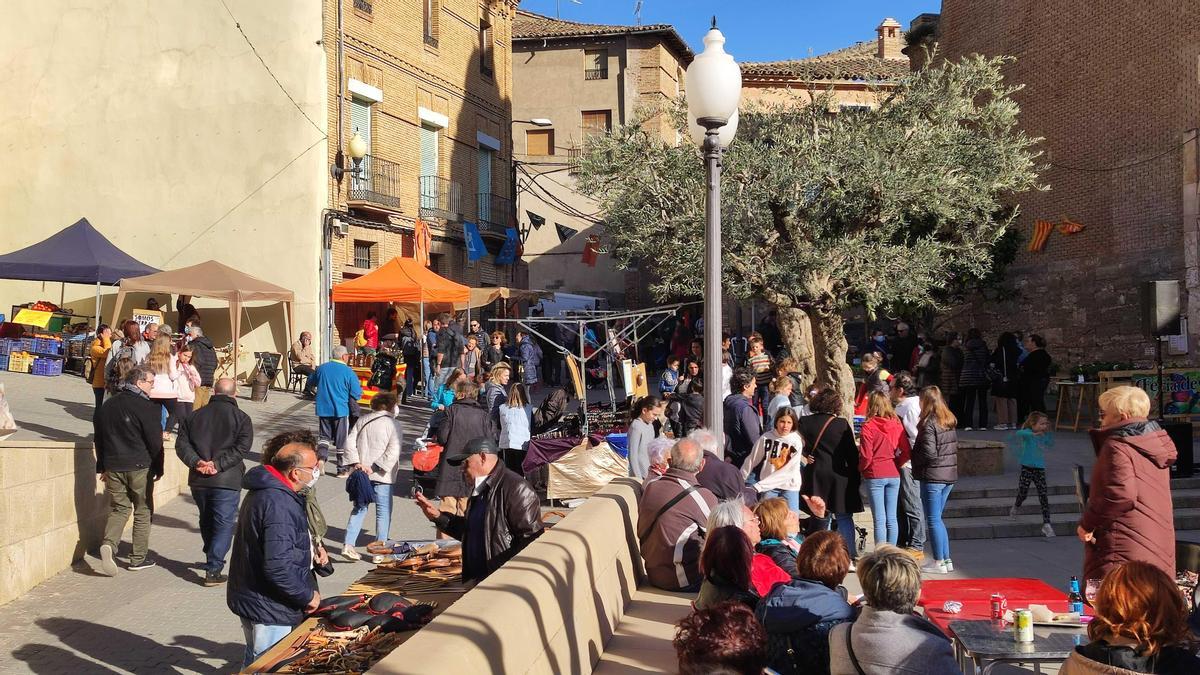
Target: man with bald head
[672, 517]
[271, 580]
[212, 442]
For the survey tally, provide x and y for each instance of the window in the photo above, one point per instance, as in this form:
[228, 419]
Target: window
[364, 254]
[596, 122]
[430, 189]
[485, 42]
[539, 142]
[430, 10]
[360, 123]
[484, 192]
[595, 64]
[363, 6]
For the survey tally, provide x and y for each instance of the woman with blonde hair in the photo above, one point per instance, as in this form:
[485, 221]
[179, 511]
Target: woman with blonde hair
[495, 391]
[883, 447]
[935, 465]
[165, 367]
[1129, 510]
[1140, 626]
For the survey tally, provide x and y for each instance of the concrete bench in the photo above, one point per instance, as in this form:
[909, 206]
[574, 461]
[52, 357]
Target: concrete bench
[574, 601]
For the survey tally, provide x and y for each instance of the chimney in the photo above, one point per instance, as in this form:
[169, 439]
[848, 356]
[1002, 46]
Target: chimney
[888, 42]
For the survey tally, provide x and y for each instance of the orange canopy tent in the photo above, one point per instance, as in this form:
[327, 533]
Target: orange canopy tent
[401, 280]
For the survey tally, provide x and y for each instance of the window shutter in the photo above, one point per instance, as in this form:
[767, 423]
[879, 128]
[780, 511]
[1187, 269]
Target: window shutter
[360, 120]
[539, 142]
[429, 151]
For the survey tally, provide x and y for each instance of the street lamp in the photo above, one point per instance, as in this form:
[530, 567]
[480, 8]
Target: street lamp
[358, 149]
[714, 89]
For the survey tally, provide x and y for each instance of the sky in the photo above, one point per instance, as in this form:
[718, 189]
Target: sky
[755, 30]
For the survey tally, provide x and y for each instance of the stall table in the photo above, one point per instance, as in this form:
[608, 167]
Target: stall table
[364, 376]
[1086, 396]
[990, 643]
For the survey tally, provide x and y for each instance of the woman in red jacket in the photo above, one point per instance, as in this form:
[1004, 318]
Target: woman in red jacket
[1129, 515]
[882, 444]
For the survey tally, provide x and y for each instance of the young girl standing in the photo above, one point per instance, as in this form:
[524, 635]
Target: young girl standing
[186, 383]
[1033, 439]
[777, 460]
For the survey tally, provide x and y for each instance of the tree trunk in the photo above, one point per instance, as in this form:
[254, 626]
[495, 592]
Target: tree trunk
[829, 340]
[797, 334]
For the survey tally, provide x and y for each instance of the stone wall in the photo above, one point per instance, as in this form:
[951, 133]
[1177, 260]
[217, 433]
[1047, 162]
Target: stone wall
[52, 508]
[1116, 106]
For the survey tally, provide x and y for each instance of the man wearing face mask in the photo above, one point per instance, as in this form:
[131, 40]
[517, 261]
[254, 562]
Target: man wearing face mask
[271, 581]
[373, 450]
[502, 513]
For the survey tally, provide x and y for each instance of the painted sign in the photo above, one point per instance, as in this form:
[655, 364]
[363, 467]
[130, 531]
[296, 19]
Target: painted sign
[1182, 391]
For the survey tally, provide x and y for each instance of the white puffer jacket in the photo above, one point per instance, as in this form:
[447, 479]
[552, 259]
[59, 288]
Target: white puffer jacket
[375, 443]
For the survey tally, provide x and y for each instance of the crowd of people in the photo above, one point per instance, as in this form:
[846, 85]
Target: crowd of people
[754, 520]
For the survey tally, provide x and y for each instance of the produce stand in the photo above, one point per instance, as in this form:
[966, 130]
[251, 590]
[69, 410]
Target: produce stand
[42, 342]
[317, 645]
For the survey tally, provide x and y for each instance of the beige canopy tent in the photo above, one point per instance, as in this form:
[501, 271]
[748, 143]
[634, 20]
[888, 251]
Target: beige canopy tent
[213, 280]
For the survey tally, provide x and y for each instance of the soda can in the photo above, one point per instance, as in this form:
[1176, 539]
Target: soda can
[999, 605]
[1023, 625]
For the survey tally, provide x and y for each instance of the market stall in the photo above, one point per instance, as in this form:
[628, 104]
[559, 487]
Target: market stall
[214, 280]
[41, 337]
[376, 614]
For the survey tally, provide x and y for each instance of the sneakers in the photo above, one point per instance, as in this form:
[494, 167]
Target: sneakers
[144, 565]
[853, 567]
[214, 578]
[968, 429]
[937, 567]
[1000, 427]
[376, 559]
[107, 564]
[1012, 513]
[1047, 531]
[948, 564]
[351, 554]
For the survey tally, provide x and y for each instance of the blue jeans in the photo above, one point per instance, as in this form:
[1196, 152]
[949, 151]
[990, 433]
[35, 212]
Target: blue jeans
[383, 515]
[845, 527]
[259, 638]
[426, 377]
[912, 527]
[792, 497]
[933, 498]
[884, 493]
[218, 517]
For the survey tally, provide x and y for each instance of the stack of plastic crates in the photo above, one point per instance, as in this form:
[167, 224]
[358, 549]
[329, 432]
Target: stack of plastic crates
[19, 361]
[47, 346]
[47, 366]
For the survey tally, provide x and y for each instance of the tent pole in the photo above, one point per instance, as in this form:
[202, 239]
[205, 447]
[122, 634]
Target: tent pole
[424, 337]
[97, 304]
[583, 382]
[62, 293]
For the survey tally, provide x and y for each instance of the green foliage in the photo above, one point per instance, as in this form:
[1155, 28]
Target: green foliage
[881, 208]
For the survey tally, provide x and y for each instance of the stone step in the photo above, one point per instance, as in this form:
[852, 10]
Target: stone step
[1060, 503]
[1031, 526]
[1010, 491]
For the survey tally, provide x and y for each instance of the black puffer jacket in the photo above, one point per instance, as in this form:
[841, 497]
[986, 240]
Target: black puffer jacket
[975, 360]
[935, 458]
[465, 421]
[205, 358]
[512, 519]
[129, 434]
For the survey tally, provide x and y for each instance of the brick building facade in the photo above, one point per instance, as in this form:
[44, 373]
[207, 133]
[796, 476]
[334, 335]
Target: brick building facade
[428, 85]
[1114, 90]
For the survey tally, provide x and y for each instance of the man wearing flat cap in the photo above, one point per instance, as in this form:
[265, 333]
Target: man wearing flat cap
[502, 516]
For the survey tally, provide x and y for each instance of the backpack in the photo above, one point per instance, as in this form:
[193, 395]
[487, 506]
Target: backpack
[115, 354]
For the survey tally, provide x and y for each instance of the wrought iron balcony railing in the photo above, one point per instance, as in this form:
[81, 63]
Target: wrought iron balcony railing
[378, 182]
[595, 74]
[440, 198]
[494, 212]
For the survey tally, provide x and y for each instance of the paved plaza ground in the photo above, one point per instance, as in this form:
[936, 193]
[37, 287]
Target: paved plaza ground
[164, 620]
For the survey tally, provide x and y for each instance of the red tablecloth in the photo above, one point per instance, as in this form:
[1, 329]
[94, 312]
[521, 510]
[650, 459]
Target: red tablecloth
[976, 597]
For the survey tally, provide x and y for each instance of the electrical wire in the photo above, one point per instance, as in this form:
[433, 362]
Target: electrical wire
[268, 69]
[554, 200]
[1119, 167]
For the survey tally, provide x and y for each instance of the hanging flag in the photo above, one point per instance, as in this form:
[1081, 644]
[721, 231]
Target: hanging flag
[422, 240]
[1041, 232]
[536, 220]
[508, 254]
[564, 232]
[591, 250]
[475, 247]
[1070, 227]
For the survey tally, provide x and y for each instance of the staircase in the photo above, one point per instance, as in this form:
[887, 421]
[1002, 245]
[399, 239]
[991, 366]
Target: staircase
[983, 513]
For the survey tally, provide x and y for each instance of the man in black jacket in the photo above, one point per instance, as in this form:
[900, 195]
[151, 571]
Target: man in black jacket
[502, 516]
[204, 356]
[129, 458]
[211, 443]
[271, 581]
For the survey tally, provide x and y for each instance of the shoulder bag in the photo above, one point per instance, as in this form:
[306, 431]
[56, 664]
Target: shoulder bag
[665, 507]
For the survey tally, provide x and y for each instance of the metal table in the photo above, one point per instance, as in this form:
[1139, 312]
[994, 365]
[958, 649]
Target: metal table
[980, 645]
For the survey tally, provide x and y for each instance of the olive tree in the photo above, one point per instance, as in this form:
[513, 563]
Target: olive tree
[822, 212]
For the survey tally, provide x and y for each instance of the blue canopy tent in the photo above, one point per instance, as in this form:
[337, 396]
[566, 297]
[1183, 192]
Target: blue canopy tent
[78, 254]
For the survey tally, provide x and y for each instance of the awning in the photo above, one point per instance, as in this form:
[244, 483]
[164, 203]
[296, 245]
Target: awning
[401, 280]
[77, 254]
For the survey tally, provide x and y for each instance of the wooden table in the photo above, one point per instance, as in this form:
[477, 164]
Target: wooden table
[1086, 394]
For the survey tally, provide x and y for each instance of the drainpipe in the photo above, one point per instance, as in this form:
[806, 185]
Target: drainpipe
[327, 217]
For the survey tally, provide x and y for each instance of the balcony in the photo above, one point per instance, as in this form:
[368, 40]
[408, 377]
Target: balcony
[574, 159]
[377, 183]
[440, 198]
[494, 212]
[595, 74]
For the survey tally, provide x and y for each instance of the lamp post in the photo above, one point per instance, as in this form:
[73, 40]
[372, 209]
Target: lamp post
[357, 148]
[714, 88]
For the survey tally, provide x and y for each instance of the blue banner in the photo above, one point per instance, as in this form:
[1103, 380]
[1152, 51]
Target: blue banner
[475, 247]
[508, 254]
